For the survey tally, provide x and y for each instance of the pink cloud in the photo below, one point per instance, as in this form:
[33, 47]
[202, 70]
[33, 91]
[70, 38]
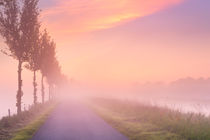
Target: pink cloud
[89, 15]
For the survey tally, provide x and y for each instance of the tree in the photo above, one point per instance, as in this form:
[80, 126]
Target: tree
[51, 63]
[53, 77]
[11, 32]
[45, 45]
[14, 28]
[48, 61]
[31, 11]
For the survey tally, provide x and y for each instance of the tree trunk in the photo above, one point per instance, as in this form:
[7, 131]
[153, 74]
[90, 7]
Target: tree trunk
[35, 88]
[43, 93]
[19, 92]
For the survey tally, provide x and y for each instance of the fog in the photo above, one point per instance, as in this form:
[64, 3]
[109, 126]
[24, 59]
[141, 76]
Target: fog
[186, 95]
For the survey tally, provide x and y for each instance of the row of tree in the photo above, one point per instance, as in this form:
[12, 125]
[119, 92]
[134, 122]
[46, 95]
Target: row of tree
[32, 48]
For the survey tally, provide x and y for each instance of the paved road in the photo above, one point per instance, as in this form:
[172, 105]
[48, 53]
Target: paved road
[74, 121]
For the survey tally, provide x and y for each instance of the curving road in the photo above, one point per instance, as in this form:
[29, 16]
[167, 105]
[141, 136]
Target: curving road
[74, 121]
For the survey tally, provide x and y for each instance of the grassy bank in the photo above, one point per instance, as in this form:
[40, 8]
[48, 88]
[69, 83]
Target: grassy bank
[23, 126]
[142, 122]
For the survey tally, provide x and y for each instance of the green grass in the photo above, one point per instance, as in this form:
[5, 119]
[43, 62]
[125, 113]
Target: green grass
[23, 126]
[27, 132]
[144, 122]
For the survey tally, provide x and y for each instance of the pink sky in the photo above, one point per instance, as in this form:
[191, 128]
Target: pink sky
[88, 15]
[120, 42]
[123, 41]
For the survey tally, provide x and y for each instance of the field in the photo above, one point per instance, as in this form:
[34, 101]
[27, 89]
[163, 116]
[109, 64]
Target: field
[144, 122]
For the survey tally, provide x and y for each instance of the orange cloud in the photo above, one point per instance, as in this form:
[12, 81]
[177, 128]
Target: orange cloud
[89, 15]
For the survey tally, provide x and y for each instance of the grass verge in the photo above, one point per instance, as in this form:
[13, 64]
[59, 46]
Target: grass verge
[143, 122]
[27, 132]
[23, 126]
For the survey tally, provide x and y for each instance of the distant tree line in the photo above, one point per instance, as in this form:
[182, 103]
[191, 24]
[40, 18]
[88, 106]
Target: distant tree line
[32, 48]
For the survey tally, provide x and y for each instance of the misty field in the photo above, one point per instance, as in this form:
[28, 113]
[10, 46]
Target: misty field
[144, 122]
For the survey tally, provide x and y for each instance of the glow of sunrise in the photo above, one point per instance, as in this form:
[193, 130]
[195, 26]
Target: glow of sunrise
[92, 49]
[89, 15]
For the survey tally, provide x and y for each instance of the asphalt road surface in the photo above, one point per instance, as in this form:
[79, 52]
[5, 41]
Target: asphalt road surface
[75, 121]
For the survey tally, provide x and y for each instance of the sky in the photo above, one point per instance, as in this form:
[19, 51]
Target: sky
[118, 43]
[123, 41]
